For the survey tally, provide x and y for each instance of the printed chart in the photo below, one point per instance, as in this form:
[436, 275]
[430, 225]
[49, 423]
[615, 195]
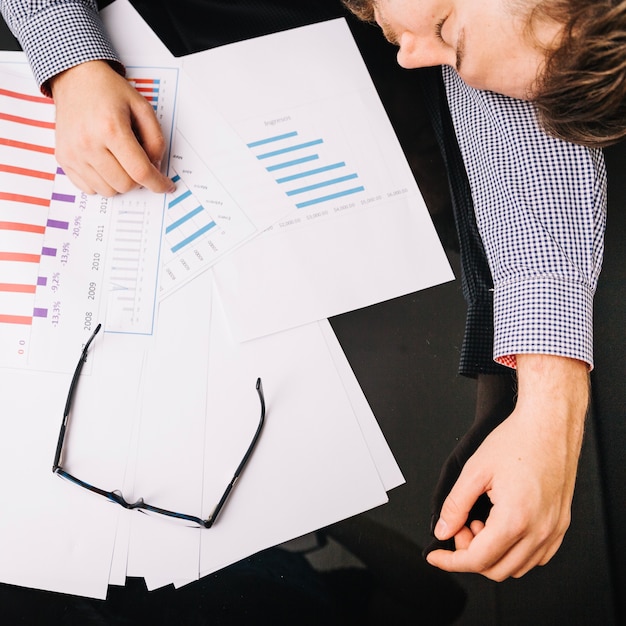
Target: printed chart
[300, 167]
[202, 221]
[159, 86]
[325, 159]
[68, 260]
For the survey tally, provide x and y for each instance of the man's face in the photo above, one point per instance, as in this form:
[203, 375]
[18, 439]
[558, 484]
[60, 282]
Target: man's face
[487, 43]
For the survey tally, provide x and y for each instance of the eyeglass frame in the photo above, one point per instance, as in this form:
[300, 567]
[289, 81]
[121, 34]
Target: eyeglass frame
[116, 496]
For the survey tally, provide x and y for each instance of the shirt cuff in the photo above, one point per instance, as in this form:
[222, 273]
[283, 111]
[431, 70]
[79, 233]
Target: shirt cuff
[543, 316]
[63, 36]
[477, 349]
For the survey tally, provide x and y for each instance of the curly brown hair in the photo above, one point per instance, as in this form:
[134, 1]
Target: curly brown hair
[580, 93]
[363, 9]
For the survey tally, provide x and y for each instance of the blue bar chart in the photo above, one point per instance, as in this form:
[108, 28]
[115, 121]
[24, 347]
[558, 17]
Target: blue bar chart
[305, 171]
[202, 221]
[187, 218]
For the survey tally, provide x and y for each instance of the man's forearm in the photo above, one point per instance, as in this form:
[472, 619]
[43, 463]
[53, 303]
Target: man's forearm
[527, 466]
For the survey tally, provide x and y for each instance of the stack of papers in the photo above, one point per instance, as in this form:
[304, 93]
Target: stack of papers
[294, 202]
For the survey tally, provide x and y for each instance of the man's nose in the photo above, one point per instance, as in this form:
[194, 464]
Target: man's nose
[420, 51]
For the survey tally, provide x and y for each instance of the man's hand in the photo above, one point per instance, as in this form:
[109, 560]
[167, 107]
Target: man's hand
[108, 139]
[527, 467]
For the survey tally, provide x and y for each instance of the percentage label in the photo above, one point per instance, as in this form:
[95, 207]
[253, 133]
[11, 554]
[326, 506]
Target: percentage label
[65, 253]
[56, 313]
[56, 282]
[77, 225]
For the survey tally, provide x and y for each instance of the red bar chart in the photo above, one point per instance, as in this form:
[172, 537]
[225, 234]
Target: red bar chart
[27, 174]
[158, 86]
[69, 260]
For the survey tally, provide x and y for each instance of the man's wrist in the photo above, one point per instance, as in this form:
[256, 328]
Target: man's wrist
[82, 70]
[553, 391]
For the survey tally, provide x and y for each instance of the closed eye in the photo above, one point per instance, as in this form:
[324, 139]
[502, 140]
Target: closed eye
[439, 28]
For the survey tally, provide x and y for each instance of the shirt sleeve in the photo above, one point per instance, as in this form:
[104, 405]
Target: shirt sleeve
[540, 207]
[58, 34]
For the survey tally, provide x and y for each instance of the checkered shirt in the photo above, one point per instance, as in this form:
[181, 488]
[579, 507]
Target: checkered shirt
[540, 206]
[58, 34]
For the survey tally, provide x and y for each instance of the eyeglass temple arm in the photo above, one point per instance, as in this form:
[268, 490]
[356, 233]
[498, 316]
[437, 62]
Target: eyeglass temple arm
[70, 397]
[218, 507]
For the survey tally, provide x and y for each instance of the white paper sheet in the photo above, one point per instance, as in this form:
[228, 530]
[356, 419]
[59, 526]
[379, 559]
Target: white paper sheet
[312, 466]
[390, 474]
[358, 231]
[58, 536]
[52, 299]
[170, 460]
[48, 529]
[378, 240]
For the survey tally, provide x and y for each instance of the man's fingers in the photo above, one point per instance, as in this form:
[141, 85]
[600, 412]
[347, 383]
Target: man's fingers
[456, 507]
[463, 539]
[495, 550]
[135, 163]
[477, 526]
[141, 154]
[148, 131]
[103, 174]
[474, 559]
[106, 175]
[78, 180]
[488, 546]
[90, 181]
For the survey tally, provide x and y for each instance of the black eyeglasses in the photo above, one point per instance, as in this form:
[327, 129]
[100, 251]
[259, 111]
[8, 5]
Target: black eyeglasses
[116, 496]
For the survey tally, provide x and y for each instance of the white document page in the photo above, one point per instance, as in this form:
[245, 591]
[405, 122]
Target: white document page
[388, 469]
[52, 536]
[170, 470]
[56, 272]
[309, 417]
[312, 466]
[358, 231]
[58, 536]
[222, 199]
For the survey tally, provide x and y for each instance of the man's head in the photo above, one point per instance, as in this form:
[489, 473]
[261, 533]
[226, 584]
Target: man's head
[568, 56]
